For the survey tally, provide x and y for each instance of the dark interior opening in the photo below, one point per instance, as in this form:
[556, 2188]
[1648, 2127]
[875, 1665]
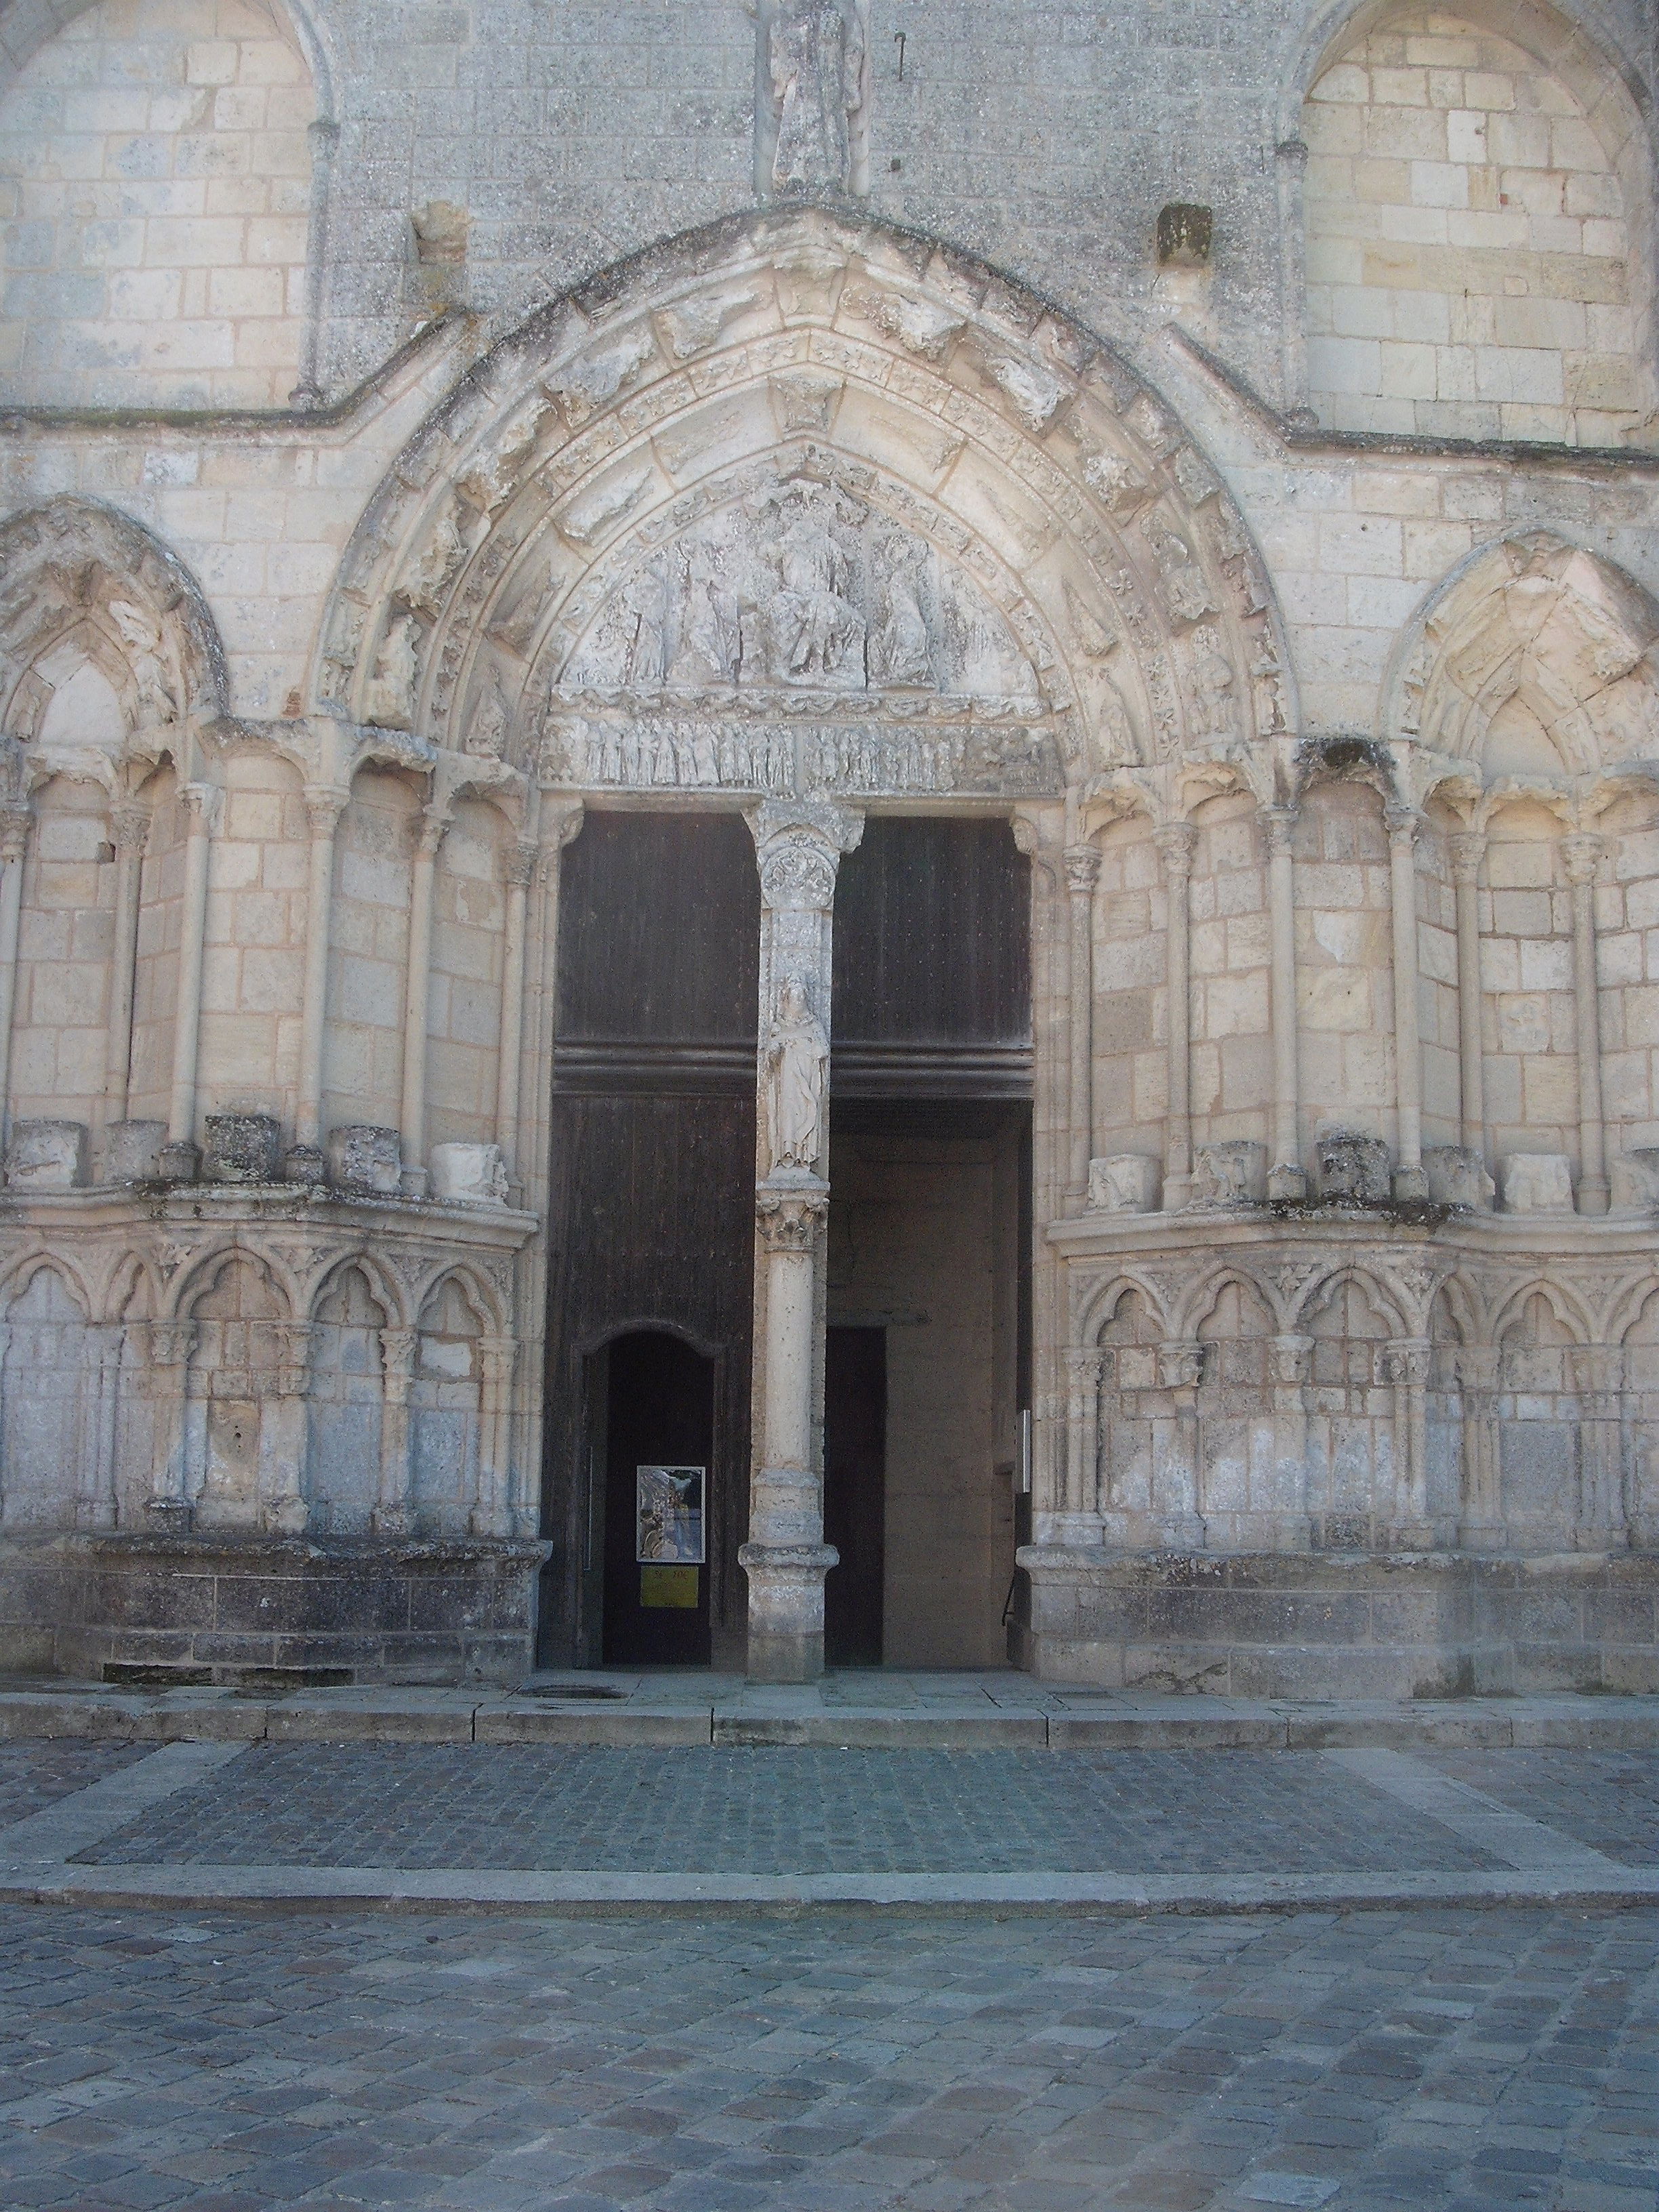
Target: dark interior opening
[658, 1446]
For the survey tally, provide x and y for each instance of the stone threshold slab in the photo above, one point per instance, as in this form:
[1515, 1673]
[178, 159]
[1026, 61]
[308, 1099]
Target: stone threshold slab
[1055, 1718]
[597, 1892]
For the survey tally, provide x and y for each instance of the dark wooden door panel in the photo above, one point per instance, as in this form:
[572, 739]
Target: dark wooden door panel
[931, 935]
[854, 1493]
[659, 930]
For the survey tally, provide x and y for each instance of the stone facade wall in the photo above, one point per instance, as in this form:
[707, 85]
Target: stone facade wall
[155, 177]
[1471, 271]
[1331, 750]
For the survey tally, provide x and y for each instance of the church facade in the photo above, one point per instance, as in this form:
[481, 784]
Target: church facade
[829, 834]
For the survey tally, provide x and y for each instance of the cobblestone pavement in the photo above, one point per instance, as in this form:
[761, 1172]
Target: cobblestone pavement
[799, 1811]
[36, 1774]
[1609, 1799]
[1461, 2060]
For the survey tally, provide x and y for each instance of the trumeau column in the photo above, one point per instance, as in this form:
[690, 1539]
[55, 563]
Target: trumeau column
[14, 843]
[1176, 842]
[1467, 849]
[1082, 873]
[1581, 854]
[799, 848]
[324, 804]
[1409, 1180]
[180, 1156]
[129, 823]
[1286, 1178]
[417, 991]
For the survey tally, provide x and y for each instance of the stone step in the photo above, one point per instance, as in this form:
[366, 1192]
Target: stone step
[686, 1713]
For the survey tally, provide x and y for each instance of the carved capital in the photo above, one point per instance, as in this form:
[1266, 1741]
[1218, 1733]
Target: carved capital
[171, 1342]
[1180, 1365]
[324, 804]
[1084, 1365]
[201, 803]
[1402, 822]
[1082, 870]
[1176, 843]
[1278, 826]
[431, 834]
[788, 1220]
[1579, 853]
[798, 844]
[129, 826]
[399, 1348]
[497, 1355]
[1289, 1359]
[1404, 1361]
[797, 873]
[521, 859]
[1469, 850]
[14, 832]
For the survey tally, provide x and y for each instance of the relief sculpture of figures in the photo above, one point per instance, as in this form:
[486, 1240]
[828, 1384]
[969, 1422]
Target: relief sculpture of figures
[817, 629]
[816, 62]
[796, 1066]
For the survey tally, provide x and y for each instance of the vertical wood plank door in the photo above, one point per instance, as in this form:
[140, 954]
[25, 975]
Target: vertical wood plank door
[651, 1201]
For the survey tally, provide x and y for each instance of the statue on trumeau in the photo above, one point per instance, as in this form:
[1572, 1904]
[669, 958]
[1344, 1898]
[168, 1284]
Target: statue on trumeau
[796, 1067]
[818, 74]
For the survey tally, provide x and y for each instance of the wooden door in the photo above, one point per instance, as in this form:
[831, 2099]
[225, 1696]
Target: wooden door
[854, 1493]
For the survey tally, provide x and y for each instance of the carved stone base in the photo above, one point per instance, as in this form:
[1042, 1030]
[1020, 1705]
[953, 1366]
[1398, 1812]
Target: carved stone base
[785, 1609]
[1351, 1624]
[231, 1609]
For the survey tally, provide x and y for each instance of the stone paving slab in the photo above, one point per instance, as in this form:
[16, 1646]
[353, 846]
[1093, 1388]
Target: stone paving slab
[486, 1828]
[1609, 1799]
[867, 1707]
[35, 1775]
[789, 1811]
[1443, 2060]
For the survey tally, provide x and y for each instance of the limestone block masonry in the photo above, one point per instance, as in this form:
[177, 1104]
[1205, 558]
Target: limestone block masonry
[745, 409]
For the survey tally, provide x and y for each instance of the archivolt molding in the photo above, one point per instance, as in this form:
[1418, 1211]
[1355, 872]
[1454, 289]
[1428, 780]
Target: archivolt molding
[689, 525]
[1555, 637]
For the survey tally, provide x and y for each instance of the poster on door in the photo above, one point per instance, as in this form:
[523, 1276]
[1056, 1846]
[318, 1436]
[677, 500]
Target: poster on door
[669, 1515]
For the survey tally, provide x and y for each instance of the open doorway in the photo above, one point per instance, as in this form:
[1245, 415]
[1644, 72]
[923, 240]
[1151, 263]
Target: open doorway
[657, 1397]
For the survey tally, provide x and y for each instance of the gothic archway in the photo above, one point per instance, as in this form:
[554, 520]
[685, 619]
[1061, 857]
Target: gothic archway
[781, 473]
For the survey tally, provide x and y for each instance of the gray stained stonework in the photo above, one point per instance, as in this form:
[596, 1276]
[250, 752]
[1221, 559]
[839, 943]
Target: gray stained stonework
[1216, 443]
[1448, 2061]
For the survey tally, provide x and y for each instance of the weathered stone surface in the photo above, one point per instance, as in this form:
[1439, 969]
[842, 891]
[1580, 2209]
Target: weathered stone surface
[1354, 1170]
[242, 1148]
[46, 1156]
[1537, 1182]
[361, 1157]
[1126, 1183]
[469, 1175]
[132, 1152]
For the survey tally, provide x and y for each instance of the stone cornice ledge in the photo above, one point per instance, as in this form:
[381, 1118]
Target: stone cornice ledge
[1452, 1230]
[240, 1206]
[416, 357]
